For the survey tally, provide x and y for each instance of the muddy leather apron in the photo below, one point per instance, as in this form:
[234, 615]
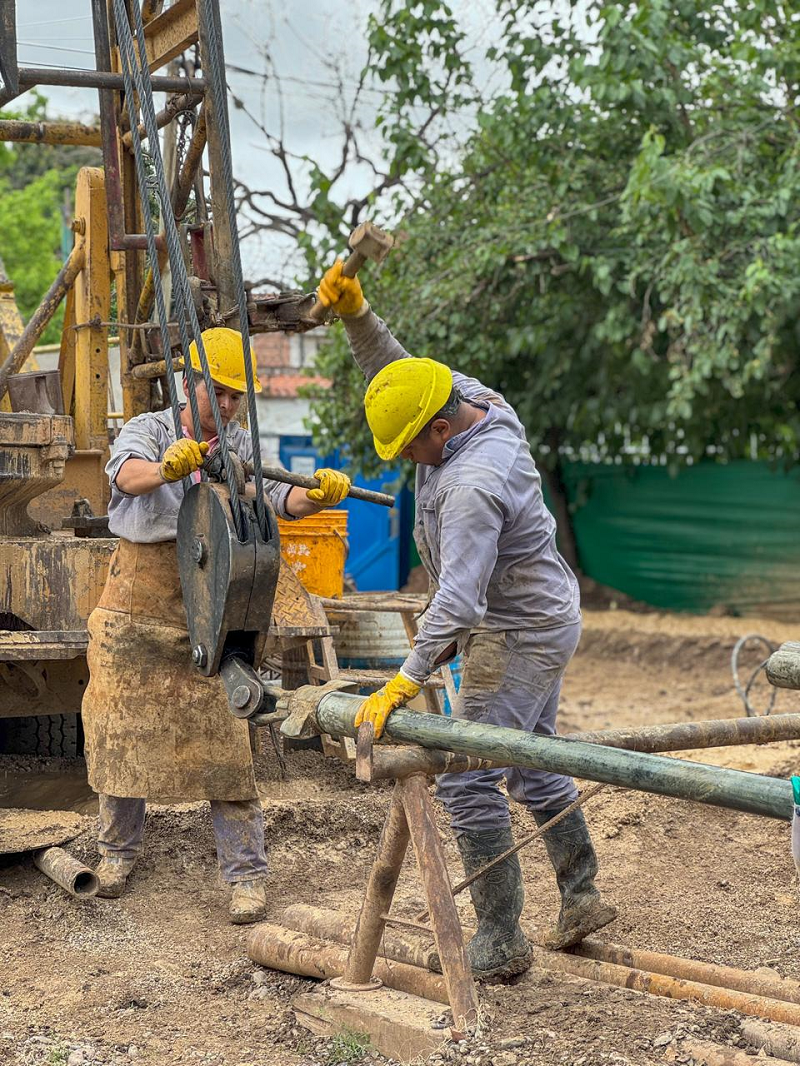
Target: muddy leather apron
[155, 728]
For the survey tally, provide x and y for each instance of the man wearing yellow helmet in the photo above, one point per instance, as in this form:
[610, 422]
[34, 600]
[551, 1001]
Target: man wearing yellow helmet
[155, 728]
[503, 595]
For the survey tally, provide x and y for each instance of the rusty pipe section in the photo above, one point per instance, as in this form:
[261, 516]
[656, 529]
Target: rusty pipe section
[29, 77]
[332, 925]
[40, 318]
[718, 786]
[715, 733]
[757, 984]
[292, 952]
[174, 106]
[49, 132]
[67, 872]
[773, 1040]
[671, 987]
[396, 762]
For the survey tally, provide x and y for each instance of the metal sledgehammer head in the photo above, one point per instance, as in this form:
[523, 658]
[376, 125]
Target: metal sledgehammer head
[367, 241]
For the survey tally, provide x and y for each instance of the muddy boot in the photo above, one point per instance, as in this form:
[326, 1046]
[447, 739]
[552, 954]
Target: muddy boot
[248, 901]
[575, 863]
[499, 949]
[112, 874]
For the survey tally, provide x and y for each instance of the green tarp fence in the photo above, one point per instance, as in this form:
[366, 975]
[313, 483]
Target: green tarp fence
[713, 536]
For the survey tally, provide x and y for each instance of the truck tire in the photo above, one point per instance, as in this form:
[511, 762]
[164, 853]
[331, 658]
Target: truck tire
[46, 734]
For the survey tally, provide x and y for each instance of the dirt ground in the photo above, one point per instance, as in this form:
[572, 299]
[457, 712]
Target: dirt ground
[160, 977]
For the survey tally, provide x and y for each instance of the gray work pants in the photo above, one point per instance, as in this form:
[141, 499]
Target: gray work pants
[238, 831]
[511, 678]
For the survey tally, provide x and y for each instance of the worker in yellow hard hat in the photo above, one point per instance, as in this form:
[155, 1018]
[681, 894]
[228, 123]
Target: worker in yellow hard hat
[503, 596]
[155, 728]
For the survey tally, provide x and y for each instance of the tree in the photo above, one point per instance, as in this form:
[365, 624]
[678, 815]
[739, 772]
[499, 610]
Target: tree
[33, 179]
[616, 245]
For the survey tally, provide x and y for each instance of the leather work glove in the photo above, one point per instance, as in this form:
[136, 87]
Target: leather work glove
[183, 458]
[333, 487]
[377, 707]
[342, 295]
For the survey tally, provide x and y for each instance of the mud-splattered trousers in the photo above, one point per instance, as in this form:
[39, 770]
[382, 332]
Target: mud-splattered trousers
[238, 831]
[511, 678]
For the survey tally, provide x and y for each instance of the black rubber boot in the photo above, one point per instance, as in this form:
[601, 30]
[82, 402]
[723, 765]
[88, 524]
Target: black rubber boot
[574, 860]
[499, 949]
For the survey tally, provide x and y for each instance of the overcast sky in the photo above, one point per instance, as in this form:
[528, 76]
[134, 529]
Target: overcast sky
[299, 37]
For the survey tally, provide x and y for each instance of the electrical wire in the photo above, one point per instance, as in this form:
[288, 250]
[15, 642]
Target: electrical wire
[744, 690]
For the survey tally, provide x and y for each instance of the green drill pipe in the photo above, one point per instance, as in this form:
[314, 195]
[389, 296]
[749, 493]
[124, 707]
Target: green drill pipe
[715, 785]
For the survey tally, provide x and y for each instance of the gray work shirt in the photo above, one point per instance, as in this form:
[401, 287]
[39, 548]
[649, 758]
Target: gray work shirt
[153, 516]
[482, 529]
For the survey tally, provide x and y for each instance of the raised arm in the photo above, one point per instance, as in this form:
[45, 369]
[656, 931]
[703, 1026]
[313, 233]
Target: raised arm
[371, 342]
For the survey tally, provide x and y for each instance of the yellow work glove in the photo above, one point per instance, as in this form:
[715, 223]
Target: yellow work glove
[183, 458]
[333, 487]
[377, 707]
[342, 294]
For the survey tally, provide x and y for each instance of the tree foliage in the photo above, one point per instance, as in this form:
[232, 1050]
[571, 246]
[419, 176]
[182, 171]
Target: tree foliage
[32, 182]
[615, 246]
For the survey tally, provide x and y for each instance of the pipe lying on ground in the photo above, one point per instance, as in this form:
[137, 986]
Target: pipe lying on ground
[67, 872]
[708, 1054]
[657, 984]
[717, 786]
[295, 952]
[679, 736]
[337, 927]
[773, 1040]
[757, 984]
[316, 921]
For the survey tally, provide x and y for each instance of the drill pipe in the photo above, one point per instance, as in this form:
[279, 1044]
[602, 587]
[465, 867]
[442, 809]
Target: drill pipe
[717, 786]
[716, 733]
[67, 872]
[772, 986]
[293, 952]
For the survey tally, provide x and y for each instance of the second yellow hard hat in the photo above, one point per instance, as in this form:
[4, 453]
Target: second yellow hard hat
[402, 398]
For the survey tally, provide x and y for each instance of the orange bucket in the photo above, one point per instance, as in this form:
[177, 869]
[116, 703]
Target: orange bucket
[316, 548]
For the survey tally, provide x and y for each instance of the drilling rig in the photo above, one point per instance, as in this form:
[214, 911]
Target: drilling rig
[55, 429]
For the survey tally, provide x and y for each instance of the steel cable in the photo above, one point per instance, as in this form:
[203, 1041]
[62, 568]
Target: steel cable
[138, 84]
[215, 77]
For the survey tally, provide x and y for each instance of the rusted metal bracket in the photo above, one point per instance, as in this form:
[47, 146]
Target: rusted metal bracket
[84, 522]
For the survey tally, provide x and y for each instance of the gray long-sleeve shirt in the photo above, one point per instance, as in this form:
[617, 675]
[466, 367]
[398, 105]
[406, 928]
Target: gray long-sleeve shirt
[153, 516]
[482, 529]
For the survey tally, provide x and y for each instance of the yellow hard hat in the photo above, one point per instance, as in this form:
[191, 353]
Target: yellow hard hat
[402, 398]
[224, 353]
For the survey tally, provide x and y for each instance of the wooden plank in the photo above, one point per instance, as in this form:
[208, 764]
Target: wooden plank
[399, 1025]
[169, 34]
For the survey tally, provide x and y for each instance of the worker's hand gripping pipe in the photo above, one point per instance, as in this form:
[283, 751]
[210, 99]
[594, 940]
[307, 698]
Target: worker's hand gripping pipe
[796, 824]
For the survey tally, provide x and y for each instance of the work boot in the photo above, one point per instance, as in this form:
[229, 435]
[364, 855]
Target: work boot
[574, 860]
[499, 949]
[248, 901]
[112, 874]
